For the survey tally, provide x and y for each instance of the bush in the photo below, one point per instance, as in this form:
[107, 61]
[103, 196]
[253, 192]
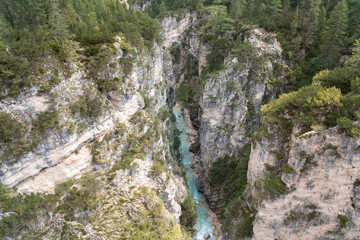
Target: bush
[237, 219]
[347, 125]
[343, 220]
[182, 92]
[45, 120]
[11, 130]
[271, 186]
[311, 105]
[229, 174]
[109, 84]
[287, 169]
[26, 209]
[340, 78]
[82, 199]
[87, 107]
[188, 213]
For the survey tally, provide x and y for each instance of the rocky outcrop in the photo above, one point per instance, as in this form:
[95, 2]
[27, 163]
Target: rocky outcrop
[65, 155]
[323, 180]
[231, 100]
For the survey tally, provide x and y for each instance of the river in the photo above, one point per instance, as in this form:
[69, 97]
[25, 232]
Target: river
[204, 222]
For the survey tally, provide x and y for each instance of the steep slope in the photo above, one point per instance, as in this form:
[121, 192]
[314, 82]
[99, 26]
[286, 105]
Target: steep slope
[119, 137]
[322, 181]
[230, 103]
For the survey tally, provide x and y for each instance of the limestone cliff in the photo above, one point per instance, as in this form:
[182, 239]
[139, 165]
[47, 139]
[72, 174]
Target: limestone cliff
[125, 144]
[230, 102]
[322, 178]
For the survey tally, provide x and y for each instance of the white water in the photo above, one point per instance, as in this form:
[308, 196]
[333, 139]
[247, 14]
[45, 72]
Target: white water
[204, 222]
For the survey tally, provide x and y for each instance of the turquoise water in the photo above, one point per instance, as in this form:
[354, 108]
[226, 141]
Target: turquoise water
[204, 223]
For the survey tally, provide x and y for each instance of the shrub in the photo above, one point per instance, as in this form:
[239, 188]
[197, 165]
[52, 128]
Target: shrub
[87, 107]
[230, 174]
[164, 113]
[80, 199]
[311, 105]
[237, 219]
[45, 120]
[26, 209]
[271, 186]
[182, 92]
[188, 213]
[127, 64]
[339, 77]
[343, 220]
[11, 130]
[109, 84]
[287, 169]
[81, 127]
[346, 124]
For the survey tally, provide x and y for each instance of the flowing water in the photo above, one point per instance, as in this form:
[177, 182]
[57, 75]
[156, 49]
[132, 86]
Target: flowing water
[204, 222]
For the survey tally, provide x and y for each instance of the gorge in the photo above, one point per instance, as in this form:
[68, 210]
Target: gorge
[179, 119]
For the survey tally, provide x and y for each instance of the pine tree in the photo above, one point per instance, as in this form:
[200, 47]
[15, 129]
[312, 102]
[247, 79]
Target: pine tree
[2, 33]
[237, 8]
[310, 13]
[274, 7]
[354, 19]
[57, 22]
[162, 8]
[334, 37]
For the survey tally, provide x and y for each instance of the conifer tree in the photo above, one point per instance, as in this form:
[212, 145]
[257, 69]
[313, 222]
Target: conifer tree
[310, 16]
[354, 19]
[162, 8]
[334, 37]
[274, 7]
[237, 8]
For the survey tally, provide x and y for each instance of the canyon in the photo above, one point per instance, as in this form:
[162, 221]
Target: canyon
[130, 146]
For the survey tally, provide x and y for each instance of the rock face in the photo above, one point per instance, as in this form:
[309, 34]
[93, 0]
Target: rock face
[323, 200]
[230, 102]
[63, 155]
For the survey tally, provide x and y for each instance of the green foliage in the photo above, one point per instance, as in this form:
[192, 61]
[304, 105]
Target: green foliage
[164, 113]
[229, 175]
[188, 213]
[11, 132]
[159, 164]
[13, 142]
[334, 35]
[98, 21]
[339, 77]
[287, 169]
[244, 51]
[137, 146]
[44, 121]
[343, 220]
[271, 186]
[80, 199]
[307, 215]
[218, 33]
[87, 107]
[182, 92]
[346, 124]
[310, 105]
[25, 211]
[357, 183]
[33, 30]
[238, 219]
[109, 84]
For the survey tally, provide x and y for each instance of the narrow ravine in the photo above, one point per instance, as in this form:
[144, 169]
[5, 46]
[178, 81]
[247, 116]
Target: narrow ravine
[204, 222]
